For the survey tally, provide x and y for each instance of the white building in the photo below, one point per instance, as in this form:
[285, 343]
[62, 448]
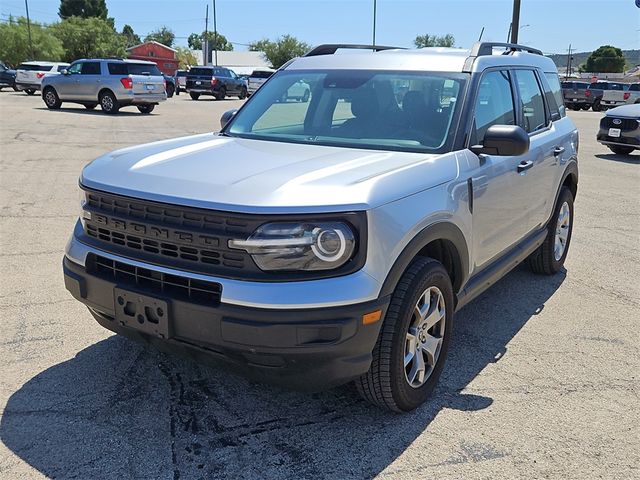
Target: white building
[239, 62]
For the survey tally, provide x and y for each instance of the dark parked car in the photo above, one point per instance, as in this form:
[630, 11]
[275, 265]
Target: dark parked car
[620, 129]
[7, 77]
[596, 90]
[170, 85]
[216, 81]
[574, 95]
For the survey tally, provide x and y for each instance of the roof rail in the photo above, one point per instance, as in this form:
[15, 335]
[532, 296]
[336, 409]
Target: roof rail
[481, 49]
[330, 48]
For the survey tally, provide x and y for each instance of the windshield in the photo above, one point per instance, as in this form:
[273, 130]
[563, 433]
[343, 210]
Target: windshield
[407, 111]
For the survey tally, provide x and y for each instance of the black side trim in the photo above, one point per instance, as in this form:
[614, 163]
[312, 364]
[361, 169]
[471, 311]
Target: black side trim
[470, 193]
[331, 48]
[437, 231]
[498, 269]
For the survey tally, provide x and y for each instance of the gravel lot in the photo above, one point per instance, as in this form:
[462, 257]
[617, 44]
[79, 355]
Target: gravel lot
[541, 381]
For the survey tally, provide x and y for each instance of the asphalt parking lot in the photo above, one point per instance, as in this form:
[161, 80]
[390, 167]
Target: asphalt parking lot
[541, 381]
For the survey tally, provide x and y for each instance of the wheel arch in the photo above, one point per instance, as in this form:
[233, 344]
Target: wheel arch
[104, 90]
[442, 241]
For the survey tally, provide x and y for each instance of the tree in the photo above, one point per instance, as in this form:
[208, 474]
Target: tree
[281, 50]
[427, 40]
[83, 8]
[163, 35]
[130, 37]
[606, 59]
[14, 42]
[185, 58]
[87, 38]
[195, 41]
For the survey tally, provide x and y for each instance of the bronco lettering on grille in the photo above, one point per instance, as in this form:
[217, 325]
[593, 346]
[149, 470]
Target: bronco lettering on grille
[155, 232]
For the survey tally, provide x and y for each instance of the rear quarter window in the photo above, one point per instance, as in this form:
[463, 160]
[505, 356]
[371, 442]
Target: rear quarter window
[635, 87]
[260, 74]
[554, 97]
[38, 68]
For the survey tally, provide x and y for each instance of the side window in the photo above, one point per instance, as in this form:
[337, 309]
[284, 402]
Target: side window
[90, 68]
[554, 97]
[75, 68]
[494, 104]
[118, 69]
[535, 117]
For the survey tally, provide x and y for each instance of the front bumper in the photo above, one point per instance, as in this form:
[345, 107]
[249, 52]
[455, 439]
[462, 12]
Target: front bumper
[303, 348]
[627, 138]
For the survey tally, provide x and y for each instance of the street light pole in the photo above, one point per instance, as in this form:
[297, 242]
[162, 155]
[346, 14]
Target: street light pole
[215, 34]
[26, 6]
[205, 40]
[515, 21]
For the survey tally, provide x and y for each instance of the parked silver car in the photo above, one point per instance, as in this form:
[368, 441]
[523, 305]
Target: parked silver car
[110, 83]
[317, 243]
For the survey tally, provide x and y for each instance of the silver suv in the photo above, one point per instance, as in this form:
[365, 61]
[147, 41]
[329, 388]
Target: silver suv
[110, 83]
[318, 243]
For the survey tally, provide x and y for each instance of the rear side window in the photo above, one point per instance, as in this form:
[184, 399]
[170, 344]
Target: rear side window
[260, 74]
[38, 68]
[62, 67]
[554, 97]
[494, 104]
[635, 87]
[182, 73]
[142, 69]
[201, 71]
[90, 68]
[533, 112]
[117, 69]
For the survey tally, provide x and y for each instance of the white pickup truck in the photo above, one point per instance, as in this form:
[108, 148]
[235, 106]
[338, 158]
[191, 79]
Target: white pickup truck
[614, 98]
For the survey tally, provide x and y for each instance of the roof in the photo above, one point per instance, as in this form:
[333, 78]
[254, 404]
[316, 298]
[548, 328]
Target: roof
[151, 42]
[44, 62]
[424, 59]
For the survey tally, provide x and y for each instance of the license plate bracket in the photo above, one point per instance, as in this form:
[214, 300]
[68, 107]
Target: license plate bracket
[141, 312]
[150, 86]
[614, 132]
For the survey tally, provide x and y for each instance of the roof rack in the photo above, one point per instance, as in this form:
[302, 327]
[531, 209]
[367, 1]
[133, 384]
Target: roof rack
[331, 48]
[481, 49]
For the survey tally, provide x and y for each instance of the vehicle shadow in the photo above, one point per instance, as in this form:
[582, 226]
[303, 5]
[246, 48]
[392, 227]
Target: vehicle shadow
[614, 157]
[119, 410]
[83, 111]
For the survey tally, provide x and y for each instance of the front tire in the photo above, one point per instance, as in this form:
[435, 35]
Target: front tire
[222, 93]
[412, 346]
[170, 91]
[549, 257]
[597, 105]
[51, 99]
[108, 103]
[194, 96]
[90, 106]
[30, 91]
[620, 150]
[243, 94]
[146, 109]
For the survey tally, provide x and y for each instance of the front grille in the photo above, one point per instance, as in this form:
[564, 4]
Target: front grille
[183, 237]
[625, 123]
[154, 282]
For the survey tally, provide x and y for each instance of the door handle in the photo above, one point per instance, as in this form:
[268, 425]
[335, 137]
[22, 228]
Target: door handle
[558, 150]
[523, 166]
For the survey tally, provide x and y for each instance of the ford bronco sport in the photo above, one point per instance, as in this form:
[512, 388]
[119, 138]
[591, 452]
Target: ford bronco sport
[318, 243]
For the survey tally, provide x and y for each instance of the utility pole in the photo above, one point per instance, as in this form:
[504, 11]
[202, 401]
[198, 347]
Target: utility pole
[215, 33]
[374, 22]
[568, 63]
[515, 22]
[26, 5]
[205, 40]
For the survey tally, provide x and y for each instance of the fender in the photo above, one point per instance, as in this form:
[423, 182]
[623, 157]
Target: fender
[436, 231]
[570, 170]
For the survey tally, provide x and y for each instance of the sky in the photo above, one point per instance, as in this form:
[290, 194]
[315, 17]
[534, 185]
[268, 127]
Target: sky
[548, 25]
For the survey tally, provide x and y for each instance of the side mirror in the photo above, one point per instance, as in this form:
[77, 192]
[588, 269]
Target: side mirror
[503, 140]
[226, 116]
[65, 72]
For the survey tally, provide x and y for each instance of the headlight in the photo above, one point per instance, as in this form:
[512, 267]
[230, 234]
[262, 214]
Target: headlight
[82, 201]
[300, 246]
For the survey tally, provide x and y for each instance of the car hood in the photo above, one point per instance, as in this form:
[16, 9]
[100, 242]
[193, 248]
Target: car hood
[627, 111]
[241, 175]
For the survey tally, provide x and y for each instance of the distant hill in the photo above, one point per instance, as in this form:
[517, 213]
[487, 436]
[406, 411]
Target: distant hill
[632, 56]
